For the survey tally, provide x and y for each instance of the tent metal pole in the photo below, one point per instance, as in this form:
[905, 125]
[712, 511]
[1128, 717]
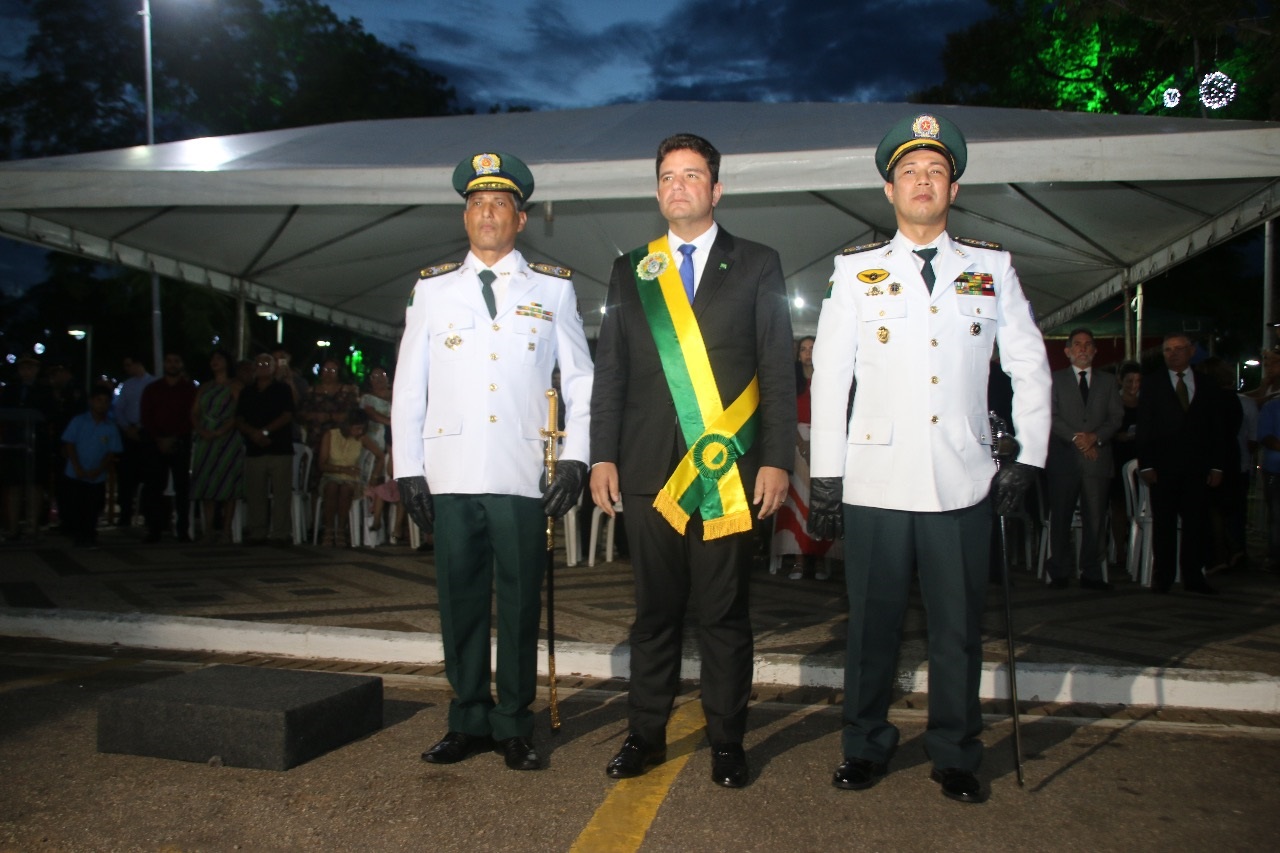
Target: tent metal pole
[242, 323]
[1268, 282]
[1137, 336]
[1126, 295]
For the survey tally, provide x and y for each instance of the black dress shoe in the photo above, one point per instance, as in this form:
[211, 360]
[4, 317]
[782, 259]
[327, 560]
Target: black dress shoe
[729, 765]
[1060, 583]
[1100, 586]
[634, 758]
[519, 753]
[959, 785]
[857, 774]
[455, 746]
[1200, 589]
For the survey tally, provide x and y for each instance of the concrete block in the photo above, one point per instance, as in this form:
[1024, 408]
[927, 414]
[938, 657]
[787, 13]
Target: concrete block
[268, 719]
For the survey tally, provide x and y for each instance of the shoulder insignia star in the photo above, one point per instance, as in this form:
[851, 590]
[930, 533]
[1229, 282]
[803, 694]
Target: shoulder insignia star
[439, 269]
[979, 244]
[865, 247]
[552, 269]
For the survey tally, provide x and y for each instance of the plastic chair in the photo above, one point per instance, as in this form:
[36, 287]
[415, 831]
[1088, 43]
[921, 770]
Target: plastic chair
[300, 506]
[356, 518]
[1143, 510]
[198, 522]
[368, 537]
[572, 549]
[610, 524]
[1139, 520]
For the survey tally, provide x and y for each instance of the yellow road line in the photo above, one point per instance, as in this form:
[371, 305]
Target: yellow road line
[69, 675]
[620, 824]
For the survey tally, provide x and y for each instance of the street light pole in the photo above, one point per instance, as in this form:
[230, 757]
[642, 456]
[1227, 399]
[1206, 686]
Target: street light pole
[145, 12]
[157, 321]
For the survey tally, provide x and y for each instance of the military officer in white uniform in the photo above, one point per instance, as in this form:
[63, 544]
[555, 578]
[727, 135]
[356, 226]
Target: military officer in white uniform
[481, 339]
[906, 478]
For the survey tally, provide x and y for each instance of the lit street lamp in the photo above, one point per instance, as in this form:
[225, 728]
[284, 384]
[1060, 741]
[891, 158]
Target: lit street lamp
[84, 333]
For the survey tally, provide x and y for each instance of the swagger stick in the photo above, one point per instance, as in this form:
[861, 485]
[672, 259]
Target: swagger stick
[999, 434]
[551, 435]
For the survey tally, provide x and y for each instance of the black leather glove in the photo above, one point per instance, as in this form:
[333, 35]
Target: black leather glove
[416, 498]
[826, 508]
[562, 494]
[1010, 486]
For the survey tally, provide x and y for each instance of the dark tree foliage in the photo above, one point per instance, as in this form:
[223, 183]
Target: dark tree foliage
[224, 67]
[234, 66]
[1114, 56]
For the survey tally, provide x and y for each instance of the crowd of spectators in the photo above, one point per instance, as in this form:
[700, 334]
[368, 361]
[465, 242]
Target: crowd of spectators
[162, 447]
[181, 455]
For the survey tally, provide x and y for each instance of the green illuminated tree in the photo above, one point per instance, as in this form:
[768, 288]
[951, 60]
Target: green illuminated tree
[1113, 56]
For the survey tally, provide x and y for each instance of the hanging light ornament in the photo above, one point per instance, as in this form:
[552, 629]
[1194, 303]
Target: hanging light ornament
[1172, 97]
[1217, 90]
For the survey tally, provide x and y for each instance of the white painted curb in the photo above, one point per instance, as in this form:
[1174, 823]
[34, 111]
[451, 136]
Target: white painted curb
[1040, 682]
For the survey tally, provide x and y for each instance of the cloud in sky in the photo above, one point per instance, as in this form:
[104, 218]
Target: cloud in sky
[573, 53]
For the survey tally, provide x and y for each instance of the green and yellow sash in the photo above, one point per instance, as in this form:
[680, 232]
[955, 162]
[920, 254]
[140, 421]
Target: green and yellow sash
[707, 478]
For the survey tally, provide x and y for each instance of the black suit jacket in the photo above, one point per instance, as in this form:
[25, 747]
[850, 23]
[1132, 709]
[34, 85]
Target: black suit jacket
[743, 313]
[1177, 443]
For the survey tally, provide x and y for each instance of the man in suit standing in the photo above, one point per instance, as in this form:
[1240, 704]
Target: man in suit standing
[1086, 414]
[1183, 448]
[481, 339]
[906, 477]
[693, 422]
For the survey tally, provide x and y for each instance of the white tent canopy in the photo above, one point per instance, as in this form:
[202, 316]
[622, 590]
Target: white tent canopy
[334, 221]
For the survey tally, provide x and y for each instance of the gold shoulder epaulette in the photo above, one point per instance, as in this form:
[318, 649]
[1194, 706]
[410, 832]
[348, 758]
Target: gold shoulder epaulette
[438, 269]
[865, 247]
[979, 244]
[551, 269]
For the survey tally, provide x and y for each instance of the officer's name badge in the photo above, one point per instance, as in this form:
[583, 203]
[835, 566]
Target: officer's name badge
[453, 341]
[535, 310]
[873, 276]
[975, 284]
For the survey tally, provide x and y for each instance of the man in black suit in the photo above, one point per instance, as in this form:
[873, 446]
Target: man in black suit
[693, 424]
[1182, 452]
[1086, 414]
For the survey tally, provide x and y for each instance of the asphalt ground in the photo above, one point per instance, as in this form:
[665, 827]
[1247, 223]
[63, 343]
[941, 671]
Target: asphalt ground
[1122, 784]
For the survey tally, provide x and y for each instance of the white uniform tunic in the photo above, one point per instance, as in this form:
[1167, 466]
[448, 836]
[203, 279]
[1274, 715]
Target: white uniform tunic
[484, 381]
[919, 436]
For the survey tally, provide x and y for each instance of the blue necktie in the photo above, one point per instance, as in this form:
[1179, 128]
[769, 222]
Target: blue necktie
[686, 269]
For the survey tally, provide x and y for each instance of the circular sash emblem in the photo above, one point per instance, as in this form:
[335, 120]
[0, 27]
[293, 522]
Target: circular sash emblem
[714, 455]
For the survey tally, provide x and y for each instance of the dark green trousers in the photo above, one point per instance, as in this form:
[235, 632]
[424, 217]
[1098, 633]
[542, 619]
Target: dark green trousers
[488, 543]
[883, 550]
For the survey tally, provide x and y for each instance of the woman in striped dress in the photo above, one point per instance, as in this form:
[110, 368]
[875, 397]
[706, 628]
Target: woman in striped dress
[217, 451]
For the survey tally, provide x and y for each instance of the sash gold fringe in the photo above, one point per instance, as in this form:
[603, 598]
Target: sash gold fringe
[671, 510]
[726, 525]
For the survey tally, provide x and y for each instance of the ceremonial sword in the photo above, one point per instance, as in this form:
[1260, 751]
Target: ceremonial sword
[550, 436]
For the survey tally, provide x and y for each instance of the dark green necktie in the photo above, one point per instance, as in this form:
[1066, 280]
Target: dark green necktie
[927, 272]
[486, 288]
[1181, 390]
